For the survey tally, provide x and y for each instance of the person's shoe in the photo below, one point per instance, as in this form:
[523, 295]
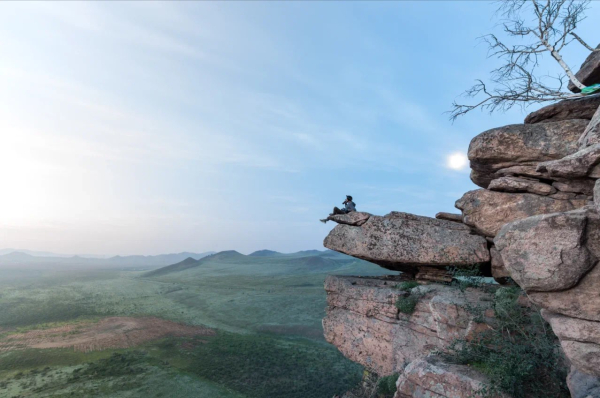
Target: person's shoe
[324, 220]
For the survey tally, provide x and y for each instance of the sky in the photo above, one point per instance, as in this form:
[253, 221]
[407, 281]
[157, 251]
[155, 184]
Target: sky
[151, 127]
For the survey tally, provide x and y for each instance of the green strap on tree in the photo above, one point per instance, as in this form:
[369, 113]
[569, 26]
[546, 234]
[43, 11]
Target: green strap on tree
[594, 88]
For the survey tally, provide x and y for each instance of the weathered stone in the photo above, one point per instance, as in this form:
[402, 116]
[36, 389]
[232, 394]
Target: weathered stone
[582, 185]
[363, 322]
[432, 274]
[546, 252]
[563, 195]
[577, 165]
[591, 135]
[521, 184]
[583, 385]
[499, 271]
[487, 211]
[580, 108]
[520, 171]
[581, 301]
[580, 340]
[521, 145]
[556, 251]
[431, 377]
[597, 193]
[595, 172]
[449, 216]
[403, 242]
[589, 73]
[352, 218]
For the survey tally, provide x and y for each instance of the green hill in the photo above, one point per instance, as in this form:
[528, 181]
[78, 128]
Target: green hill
[266, 262]
[180, 266]
[265, 253]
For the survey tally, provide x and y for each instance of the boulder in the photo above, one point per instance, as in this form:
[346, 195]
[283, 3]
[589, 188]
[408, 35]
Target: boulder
[487, 211]
[554, 258]
[597, 193]
[581, 301]
[521, 184]
[403, 242]
[583, 385]
[576, 165]
[363, 322]
[431, 377]
[352, 218]
[546, 252]
[521, 145]
[591, 134]
[589, 73]
[580, 108]
[449, 216]
[580, 340]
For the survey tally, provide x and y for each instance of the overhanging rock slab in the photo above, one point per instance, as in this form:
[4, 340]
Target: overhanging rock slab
[404, 242]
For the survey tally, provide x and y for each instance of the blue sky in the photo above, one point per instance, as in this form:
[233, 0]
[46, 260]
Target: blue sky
[144, 128]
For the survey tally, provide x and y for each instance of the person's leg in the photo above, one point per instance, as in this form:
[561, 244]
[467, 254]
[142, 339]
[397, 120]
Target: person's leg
[336, 210]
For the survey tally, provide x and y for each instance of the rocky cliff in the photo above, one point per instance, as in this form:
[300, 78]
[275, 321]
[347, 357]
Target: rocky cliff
[535, 221]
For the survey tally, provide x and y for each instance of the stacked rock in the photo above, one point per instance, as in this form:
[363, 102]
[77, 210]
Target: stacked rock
[535, 220]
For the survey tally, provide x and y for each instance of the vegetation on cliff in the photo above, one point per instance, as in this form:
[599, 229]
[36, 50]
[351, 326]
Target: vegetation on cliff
[519, 353]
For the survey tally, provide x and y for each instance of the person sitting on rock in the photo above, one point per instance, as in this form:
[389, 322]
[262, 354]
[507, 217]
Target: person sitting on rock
[349, 207]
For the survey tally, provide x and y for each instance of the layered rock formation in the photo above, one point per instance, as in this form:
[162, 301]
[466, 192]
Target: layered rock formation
[581, 108]
[487, 211]
[405, 242]
[518, 149]
[536, 221]
[364, 323]
[554, 258]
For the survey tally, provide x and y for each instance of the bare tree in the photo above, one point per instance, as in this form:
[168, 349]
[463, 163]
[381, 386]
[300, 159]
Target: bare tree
[546, 27]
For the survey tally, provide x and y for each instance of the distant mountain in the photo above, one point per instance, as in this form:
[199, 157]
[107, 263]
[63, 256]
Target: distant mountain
[265, 253]
[263, 262]
[24, 260]
[47, 254]
[180, 266]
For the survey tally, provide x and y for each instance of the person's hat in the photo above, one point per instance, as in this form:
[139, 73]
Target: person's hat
[348, 197]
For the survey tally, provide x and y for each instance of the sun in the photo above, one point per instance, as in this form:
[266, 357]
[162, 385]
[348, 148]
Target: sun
[457, 161]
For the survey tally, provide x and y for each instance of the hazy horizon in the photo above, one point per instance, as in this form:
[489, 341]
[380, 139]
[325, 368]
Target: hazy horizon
[4, 251]
[150, 128]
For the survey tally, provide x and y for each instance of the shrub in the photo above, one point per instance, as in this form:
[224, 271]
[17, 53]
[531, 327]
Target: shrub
[520, 354]
[407, 304]
[386, 386]
[405, 286]
[466, 277]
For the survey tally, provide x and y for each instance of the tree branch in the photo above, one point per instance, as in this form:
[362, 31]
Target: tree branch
[583, 43]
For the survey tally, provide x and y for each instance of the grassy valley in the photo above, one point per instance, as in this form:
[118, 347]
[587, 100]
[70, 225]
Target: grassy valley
[265, 308]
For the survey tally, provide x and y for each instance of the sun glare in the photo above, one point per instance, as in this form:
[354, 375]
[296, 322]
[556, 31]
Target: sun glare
[457, 161]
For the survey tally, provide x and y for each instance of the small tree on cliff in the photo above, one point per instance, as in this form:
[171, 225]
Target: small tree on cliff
[545, 27]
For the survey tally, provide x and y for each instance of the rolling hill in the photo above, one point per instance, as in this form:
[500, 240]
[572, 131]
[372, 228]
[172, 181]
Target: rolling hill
[27, 260]
[265, 262]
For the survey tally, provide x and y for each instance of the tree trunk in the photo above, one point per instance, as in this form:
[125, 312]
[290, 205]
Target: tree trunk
[562, 63]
